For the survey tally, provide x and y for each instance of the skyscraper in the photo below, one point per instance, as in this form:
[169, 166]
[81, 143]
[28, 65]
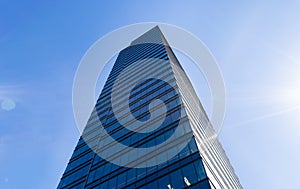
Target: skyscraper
[148, 128]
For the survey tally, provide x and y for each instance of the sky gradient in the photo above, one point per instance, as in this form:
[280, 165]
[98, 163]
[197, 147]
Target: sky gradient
[256, 45]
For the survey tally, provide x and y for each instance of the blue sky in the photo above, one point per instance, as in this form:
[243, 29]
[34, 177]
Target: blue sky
[256, 45]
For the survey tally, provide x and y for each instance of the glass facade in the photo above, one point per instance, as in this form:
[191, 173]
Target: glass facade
[93, 165]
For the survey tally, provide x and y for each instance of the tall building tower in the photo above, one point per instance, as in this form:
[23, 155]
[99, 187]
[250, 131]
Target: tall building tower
[148, 128]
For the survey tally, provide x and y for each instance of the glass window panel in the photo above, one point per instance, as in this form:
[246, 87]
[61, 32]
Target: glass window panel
[177, 179]
[103, 185]
[199, 169]
[112, 183]
[189, 172]
[163, 182]
[193, 146]
[121, 179]
[184, 152]
[107, 168]
[152, 185]
[91, 176]
[141, 172]
[131, 175]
